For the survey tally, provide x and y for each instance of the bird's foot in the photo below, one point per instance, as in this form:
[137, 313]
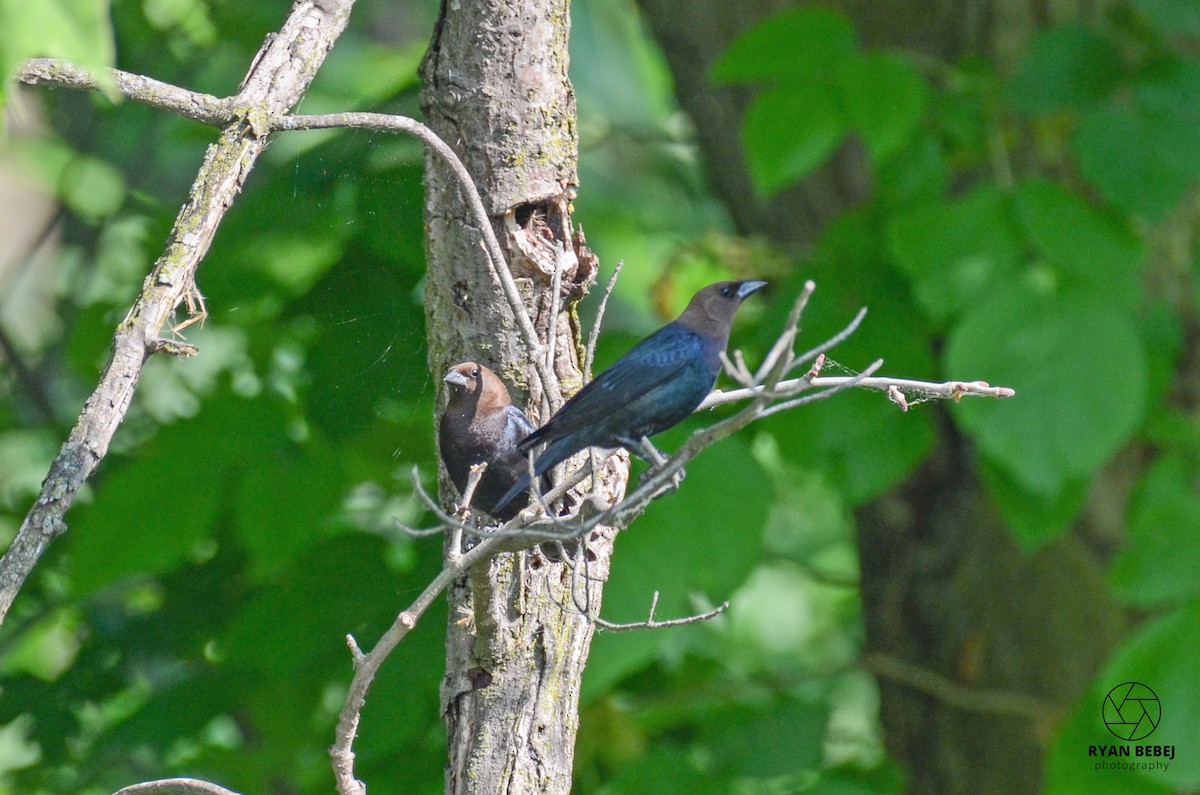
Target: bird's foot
[646, 450]
[670, 486]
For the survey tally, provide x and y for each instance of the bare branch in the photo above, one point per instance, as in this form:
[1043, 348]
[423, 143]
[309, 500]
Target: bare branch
[474, 475]
[193, 785]
[528, 528]
[194, 105]
[368, 664]
[650, 623]
[996, 702]
[590, 356]
[495, 255]
[274, 83]
[954, 390]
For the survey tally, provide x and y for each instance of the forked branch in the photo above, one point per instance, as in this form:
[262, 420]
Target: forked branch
[767, 389]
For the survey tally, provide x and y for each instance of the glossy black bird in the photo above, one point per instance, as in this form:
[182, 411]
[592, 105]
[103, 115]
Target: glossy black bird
[480, 424]
[653, 387]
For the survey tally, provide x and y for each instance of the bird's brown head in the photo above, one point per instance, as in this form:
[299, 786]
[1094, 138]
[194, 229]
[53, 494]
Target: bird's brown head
[471, 382]
[711, 310]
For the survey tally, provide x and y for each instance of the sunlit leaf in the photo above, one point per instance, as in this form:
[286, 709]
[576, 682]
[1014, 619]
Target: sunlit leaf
[1046, 436]
[955, 252]
[790, 131]
[884, 97]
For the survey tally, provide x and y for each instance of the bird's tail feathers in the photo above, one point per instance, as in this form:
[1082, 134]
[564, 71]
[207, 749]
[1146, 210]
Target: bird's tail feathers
[555, 453]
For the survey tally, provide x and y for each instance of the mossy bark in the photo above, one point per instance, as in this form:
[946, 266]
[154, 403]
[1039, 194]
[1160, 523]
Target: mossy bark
[496, 89]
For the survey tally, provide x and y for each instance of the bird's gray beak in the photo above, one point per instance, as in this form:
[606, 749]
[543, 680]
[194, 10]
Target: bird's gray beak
[456, 378]
[747, 287]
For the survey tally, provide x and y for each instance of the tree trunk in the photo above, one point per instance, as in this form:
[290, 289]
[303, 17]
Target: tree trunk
[945, 589]
[496, 89]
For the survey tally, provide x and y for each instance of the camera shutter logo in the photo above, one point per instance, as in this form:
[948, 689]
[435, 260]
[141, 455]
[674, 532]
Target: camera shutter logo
[1132, 711]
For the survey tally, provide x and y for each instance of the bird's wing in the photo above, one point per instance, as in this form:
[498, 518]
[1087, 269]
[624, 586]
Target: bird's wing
[516, 427]
[646, 366]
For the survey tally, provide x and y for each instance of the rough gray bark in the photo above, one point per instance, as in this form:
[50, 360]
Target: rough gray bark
[496, 89]
[945, 588]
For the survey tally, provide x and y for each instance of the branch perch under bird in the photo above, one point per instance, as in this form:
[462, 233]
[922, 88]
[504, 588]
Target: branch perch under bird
[768, 389]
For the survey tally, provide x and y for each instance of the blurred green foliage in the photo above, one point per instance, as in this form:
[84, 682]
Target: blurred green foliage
[191, 621]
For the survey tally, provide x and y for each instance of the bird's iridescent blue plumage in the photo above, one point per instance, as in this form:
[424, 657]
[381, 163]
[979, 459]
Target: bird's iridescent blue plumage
[653, 387]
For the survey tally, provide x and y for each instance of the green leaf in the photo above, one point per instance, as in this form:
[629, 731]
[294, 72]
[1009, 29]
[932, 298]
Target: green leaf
[920, 177]
[798, 43]
[289, 626]
[92, 188]
[790, 131]
[666, 770]
[781, 738]
[1171, 17]
[1161, 655]
[785, 619]
[885, 98]
[47, 648]
[861, 442]
[188, 17]
[1159, 561]
[955, 252]
[74, 30]
[1034, 519]
[1067, 67]
[1046, 436]
[1145, 156]
[1116, 154]
[283, 503]
[1094, 249]
[158, 509]
[697, 541]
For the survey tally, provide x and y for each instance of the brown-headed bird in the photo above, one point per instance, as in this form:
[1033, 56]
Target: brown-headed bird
[653, 387]
[481, 425]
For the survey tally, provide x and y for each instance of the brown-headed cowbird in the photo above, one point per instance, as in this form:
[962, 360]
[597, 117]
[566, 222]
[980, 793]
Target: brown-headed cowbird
[480, 424]
[653, 387]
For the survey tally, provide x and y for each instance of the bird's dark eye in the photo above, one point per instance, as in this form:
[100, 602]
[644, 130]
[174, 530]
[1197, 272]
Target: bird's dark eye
[727, 291]
[475, 373]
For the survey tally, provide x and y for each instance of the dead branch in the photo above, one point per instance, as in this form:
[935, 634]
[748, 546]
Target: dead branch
[194, 105]
[650, 623]
[275, 82]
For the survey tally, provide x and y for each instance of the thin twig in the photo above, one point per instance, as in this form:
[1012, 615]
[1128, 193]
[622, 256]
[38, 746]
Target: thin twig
[552, 326]
[954, 390]
[957, 695]
[474, 475]
[784, 344]
[650, 623]
[590, 357]
[194, 105]
[495, 255]
[368, 664]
